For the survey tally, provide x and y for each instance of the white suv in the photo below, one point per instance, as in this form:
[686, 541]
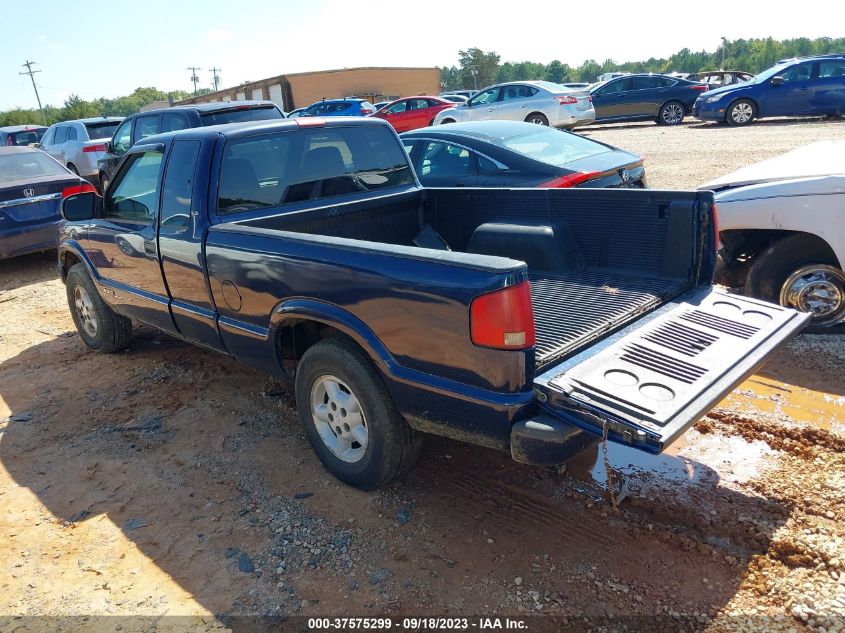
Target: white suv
[79, 144]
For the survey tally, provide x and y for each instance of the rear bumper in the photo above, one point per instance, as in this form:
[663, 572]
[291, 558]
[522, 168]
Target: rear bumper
[547, 441]
[570, 116]
[29, 239]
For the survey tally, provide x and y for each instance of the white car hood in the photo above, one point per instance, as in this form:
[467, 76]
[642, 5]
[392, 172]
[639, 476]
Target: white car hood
[823, 158]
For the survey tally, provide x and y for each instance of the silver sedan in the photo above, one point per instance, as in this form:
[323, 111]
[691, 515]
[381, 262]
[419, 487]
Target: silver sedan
[541, 102]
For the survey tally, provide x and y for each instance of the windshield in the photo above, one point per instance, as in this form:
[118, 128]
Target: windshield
[768, 74]
[28, 165]
[27, 137]
[552, 147]
[240, 115]
[101, 130]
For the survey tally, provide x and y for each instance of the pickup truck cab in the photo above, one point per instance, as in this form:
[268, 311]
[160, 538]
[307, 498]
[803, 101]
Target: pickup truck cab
[528, 320]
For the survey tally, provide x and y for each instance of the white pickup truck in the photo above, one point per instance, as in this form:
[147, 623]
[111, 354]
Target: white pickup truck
[782, 230]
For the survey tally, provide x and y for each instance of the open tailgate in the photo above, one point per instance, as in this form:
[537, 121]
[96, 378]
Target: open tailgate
[649, 383]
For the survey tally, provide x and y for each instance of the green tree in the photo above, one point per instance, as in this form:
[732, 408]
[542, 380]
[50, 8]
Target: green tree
[478, 69]
[76, 108]
[557, 72]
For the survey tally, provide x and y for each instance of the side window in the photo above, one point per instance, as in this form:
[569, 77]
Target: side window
[799, 72]
[442, 160]
[488, 166]
[418, 104]
[409, 146]
[123, 138]
[178, 188]
[171, 121]
[134, 197]
[396, 108]
[644, 83]
[71, 133]
[620, 85]
[61, 134]
[487, 96]
[832, 68]
[48, 137]
[146, 126]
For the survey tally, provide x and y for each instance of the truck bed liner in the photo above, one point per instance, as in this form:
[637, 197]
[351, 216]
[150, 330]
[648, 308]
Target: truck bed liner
[571, 309]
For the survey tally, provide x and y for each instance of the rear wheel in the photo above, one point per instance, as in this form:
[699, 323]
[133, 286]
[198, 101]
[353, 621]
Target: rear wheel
[349, 417]
[537, 118]
[798, 273]
[741, 112]
[104, 182]
[100, 327]
[73, 168]
[671, 113]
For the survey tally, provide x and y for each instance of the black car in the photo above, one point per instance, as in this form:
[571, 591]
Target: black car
[21, 135]
[31, 188]
[660, 98]
[143, 124]
[517, 154]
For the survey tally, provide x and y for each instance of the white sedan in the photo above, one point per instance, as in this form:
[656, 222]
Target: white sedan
[782, 230]
[541, 102]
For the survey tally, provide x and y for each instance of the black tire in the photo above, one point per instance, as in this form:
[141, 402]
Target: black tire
[671, 113]
[740, 112]
[431, 123]
[537, 117]
[113, 331]
[73, 168]
[392, 445]
[445, 121]
[774, 267]
[104, 182]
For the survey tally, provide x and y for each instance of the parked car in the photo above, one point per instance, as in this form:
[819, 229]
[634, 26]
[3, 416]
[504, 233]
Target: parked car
[649, 97]
[144, 124]
[805, 86]
[718, 78]
[609, 76]
[296, 113]
[21, 134]
[340, 107]
[455, 98]
[31, 186]
[469, 94]
[378, 106]
[782, 230]
[413, 112]
[493, 316]
[80, 144]
[517, 154]
[540, 102]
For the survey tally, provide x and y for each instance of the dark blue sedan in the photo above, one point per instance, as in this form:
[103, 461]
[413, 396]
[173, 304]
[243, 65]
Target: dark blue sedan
[517, 154]
[660, 98]
[31, 186]
[809, 86]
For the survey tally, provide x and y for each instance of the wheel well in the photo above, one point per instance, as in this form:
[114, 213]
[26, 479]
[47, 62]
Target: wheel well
[68, 261]
[753, 102]
[444, 121]
[536, 112]
[741, 246]
[295, 337]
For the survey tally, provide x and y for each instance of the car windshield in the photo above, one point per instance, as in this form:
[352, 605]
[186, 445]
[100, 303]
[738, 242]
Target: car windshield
[768, 74]
[101, 130]
[239, 115]
[552, 147]
[28, 165]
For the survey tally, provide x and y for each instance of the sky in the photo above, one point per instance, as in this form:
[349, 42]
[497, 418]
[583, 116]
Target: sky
[93, 49]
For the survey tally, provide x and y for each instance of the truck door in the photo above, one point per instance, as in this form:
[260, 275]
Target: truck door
[124, 242]
[181, 231]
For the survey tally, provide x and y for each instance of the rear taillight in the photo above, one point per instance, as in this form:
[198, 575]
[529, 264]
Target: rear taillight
[566, 100]
[366, 111]
[702, 87]
[570, 180]
[503, 319]
[85, 187]
[100, 147]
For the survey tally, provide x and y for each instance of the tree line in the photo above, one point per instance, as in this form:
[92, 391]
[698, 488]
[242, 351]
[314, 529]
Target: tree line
[76, 108]
[477, 68]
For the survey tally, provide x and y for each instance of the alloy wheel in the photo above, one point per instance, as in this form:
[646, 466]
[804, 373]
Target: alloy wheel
[85, 310]
[818, 289]
[339, 419]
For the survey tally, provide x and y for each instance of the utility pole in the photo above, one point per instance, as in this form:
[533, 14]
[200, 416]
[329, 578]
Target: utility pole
[194, 77]
[216, 78]
[31, 74]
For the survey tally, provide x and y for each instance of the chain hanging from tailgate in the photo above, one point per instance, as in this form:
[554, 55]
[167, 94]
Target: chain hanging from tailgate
[611, 475]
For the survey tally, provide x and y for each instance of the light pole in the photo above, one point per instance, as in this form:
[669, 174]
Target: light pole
[474, 73]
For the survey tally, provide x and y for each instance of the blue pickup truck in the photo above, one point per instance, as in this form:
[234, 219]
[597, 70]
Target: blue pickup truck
[527, 320]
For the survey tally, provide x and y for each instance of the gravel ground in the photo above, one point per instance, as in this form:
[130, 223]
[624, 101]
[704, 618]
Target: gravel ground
[168, 481]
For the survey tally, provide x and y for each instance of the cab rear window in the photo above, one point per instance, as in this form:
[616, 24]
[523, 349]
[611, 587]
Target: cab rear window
[239, 115]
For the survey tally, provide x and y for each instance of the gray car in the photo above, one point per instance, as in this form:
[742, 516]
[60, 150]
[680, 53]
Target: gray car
[79, 144]
[541, 102]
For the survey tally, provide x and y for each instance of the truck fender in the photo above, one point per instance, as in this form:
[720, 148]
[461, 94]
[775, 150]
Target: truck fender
[73, 248]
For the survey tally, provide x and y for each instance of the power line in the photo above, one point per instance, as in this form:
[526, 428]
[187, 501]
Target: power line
[216, 78]
[194, 77]
[31, 74]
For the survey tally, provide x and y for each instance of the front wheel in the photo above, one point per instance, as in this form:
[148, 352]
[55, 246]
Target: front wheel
[741, 112]
[349, 417]
[671, 113]
[537, 118]
[796, 273]
[100, 327]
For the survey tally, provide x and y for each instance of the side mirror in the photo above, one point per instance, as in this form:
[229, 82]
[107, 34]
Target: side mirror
[777, 80]
[81, 206]
[36, 145]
